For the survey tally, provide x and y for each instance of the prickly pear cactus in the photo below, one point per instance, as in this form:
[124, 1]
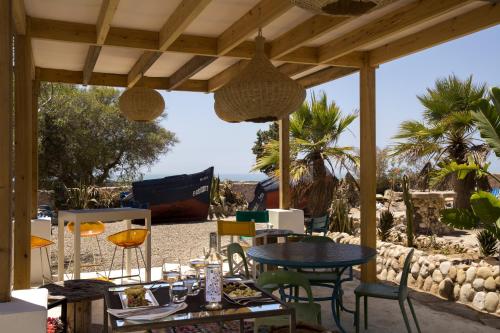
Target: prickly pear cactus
[409, 211]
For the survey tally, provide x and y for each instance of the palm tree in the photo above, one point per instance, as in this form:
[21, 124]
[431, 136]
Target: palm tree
[447, 132]
[315, 130]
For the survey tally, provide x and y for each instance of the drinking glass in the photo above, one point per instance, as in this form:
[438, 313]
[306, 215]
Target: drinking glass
[171, 273]
[196, 262]
[179, 291]
[191, 281]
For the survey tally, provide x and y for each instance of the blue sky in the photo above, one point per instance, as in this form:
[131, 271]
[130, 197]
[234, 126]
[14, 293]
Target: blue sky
[206, 140]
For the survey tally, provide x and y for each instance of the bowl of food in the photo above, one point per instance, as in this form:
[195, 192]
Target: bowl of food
[239, 290]
[137, 296]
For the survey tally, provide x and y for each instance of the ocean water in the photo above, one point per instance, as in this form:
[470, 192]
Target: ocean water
[237, 177]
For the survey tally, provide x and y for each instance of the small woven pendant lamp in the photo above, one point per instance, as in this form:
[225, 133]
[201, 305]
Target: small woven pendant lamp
[259, 93]
[141, 104]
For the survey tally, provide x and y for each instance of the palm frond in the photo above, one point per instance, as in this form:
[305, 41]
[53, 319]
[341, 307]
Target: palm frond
[488, 121]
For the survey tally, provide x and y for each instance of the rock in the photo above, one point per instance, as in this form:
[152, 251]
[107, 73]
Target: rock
[424, 271]
[401, 260]
[395, 265]
[470, 274]
[446, 289]
[420, 282]
[478, 301]
[452, 273]
[391, 275]
[496, 271]
[379, 268]
[456, 292]
[497, 281]
[415, 268]
[434, 288]
[427, 283]
[383, 274]
[411, 280]
[484, 272]
[466, 293]
[437, 276]
[460, 276]
[478, 284]
[491, 302]
[432, 267]
[444, 267]
[490, 284]
[398, 277]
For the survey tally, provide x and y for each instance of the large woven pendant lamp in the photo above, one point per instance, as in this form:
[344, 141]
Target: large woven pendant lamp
[340, 7]
[141, 104]
[259, 93]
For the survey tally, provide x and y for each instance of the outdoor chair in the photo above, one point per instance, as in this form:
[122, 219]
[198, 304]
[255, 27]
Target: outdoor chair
[128, 239]
[378, 290]
[307, 312]
[42, 243]
[325, 278]
[257, 216]
[317, 224]
[89, 230]
[236, 249]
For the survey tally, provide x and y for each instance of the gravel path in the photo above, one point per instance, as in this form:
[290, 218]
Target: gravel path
[178, 240]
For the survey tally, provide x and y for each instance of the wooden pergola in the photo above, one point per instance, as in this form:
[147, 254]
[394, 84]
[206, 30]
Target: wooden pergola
[195, 45]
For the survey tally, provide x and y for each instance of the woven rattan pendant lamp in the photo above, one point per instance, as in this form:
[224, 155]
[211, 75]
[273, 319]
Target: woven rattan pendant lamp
[340, 7]
[141, 104]
[259, 93]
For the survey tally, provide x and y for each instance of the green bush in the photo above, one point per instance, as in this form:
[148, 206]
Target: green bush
[487, 242]
[385, 225]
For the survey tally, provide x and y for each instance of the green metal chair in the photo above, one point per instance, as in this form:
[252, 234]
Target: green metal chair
[317, 224]
[257, 216]
[378, 290]
[308, 312]
[236, 249]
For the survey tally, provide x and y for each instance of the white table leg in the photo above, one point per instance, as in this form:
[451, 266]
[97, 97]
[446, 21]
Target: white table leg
[60, 250]
[148, 248]
[77, 250]
[128, 261]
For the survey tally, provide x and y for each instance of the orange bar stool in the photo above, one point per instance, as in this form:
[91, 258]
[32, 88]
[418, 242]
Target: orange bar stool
[128, 239]
[42, 243]
[89, 230]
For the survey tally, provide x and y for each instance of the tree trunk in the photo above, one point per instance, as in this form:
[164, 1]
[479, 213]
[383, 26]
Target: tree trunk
[463, 188]
[321, 193]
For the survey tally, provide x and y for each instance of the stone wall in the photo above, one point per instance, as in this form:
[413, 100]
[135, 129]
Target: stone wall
[476, 284]
[247, 189]
[427, 206]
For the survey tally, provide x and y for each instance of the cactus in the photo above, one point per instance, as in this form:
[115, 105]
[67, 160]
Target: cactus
[409, 211]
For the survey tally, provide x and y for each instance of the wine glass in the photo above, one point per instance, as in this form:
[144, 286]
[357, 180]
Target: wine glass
[171, 273]
[196, 262]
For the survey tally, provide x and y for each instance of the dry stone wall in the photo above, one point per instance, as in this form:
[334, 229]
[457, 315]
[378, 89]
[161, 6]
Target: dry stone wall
[476, 284]
[427, 206]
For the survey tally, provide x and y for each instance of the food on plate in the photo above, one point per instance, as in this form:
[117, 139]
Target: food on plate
[136, 296]
[239, 290]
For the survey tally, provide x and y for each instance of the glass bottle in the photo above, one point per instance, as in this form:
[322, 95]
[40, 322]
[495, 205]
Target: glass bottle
[213, 276]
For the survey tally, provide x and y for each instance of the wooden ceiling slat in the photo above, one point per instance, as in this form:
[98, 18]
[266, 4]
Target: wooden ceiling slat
[325, 75]
[90, 61]
[223, 77]
[19, 16]
[294, 69]
[116, 80]
[193, 66]
[478, 19]
[259, 16]
[175, 25]
[401, 19]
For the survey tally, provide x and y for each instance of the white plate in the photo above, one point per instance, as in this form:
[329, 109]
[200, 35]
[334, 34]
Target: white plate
[148, 296]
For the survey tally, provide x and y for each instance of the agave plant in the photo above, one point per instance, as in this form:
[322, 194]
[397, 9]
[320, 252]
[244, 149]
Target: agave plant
[386, 224]
[487, 242]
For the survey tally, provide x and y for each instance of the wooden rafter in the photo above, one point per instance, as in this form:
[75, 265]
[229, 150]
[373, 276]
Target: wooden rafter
[461, 25]
[312, 28]
[175, 25]
[401, 19]
[294, 69]
[193, 66]
[108, 9]
[148, 41]
[259, 16]
[19, 16]
[223, 77]
[325, 75]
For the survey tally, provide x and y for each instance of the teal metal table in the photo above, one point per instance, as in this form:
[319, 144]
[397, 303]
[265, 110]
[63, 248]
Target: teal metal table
[315, 255]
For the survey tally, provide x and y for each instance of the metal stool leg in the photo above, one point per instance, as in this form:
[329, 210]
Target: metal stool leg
[123, 262]
[112, 260]
[138, 265]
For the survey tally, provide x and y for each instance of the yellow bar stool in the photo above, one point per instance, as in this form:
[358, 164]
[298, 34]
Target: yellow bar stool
[89, 230]
[128, 239]
[42, 243]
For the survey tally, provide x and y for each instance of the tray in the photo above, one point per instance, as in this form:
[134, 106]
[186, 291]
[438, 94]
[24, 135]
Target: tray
[257, 294]
[148, 296]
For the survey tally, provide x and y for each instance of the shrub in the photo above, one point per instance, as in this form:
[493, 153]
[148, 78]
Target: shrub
[385, 225]
[487, 242]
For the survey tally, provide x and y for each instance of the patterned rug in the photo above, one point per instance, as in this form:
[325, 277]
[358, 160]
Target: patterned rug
[229, 327]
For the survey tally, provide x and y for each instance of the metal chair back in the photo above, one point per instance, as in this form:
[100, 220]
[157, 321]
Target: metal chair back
[271, 281]
[236, 249]
[403, 284]
[258, 216]
[317, 239]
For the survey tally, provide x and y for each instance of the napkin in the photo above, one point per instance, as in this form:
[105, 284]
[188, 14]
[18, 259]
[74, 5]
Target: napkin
[152, 313]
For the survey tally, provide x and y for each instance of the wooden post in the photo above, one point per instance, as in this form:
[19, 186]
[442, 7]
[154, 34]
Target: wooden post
[284, 129]
[34, 147]
[368, 165]
[22, 144]
[5, 150]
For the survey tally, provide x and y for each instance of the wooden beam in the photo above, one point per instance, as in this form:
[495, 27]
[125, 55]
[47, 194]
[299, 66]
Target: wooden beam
[180, 19]
[108, 9]
[117, 80]
[310, 29]
[258, 17]
[19, 15]
[325, 75]
[368, 166]
[294, 69]
[6, 103]
[193, 66]
[148, 40]
[284, 164]
[23, 154]
[401, 19]
[226, 75]
[34, 147]
[90, 61]
[456, 27]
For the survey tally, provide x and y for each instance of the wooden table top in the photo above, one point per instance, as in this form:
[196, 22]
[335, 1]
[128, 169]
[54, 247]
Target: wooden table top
[79, 290]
